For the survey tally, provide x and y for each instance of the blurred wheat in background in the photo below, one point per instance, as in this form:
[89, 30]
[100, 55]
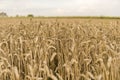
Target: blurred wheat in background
[62, 49]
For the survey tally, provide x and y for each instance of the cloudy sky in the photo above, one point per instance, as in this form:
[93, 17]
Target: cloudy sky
[61, 7]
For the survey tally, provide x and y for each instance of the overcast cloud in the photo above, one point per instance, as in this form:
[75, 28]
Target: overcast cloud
[61, 7]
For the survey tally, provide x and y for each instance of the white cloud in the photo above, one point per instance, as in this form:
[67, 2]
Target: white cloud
[61, 7]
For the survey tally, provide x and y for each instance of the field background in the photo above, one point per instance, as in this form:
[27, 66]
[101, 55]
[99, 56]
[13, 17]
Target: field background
[59, 49]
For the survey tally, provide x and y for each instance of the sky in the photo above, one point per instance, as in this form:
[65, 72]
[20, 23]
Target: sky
[61, 7]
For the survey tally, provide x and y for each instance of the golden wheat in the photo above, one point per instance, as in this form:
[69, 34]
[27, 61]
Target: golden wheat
[59, 49]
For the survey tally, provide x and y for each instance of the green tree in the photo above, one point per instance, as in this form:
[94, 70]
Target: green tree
[30, 15]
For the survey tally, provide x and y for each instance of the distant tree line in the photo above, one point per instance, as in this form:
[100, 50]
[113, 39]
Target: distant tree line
[3, 14]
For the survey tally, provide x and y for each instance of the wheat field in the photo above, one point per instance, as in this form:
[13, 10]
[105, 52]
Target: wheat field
[59, 49]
